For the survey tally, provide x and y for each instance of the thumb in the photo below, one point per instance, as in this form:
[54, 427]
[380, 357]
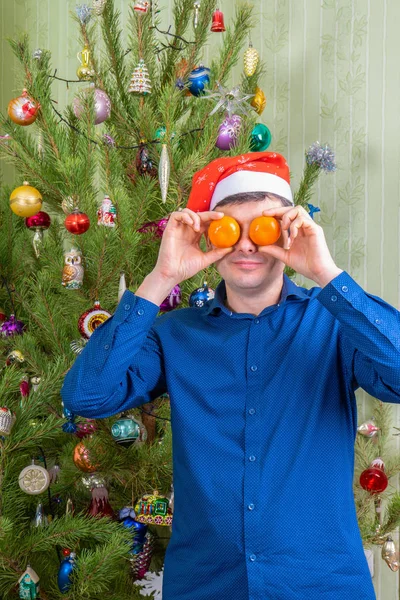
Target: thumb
[275, 251]
[216, 254]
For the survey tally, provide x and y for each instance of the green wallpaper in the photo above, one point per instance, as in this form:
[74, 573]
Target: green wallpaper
[332, 75]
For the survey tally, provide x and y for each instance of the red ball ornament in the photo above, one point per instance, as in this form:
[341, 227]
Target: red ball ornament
[66, 552]
[374, 479]
[39, 221]
[77, 222]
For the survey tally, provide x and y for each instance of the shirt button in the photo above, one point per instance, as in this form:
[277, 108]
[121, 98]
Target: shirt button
[333, 298]
[378, 321]
[253, 367]
[140, 311]
[127, 306]
[252, 411]
[257, 321]
[250, 506]
[252, 557]
[106, 347]
[252, 458]
[345, 288]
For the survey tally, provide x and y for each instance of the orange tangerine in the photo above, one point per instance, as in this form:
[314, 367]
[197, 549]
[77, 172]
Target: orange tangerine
[224, 232]
[264, 230]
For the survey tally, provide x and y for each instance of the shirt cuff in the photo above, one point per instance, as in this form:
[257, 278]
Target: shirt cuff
[339, 292]
[131, 307]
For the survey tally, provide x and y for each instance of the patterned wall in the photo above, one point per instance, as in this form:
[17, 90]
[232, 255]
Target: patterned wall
[332, 75]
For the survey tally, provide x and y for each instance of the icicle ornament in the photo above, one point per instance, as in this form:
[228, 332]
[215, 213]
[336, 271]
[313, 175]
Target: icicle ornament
[164, 170]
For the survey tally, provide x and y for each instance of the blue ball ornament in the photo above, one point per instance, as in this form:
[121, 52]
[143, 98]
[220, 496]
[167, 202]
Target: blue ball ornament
[64, 572]
[200, 296]
[197, 79]
[260, 138]
[127, 517]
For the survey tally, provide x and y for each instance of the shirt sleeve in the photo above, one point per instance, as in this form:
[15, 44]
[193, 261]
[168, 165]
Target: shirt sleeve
[121, 366]
[369, 336]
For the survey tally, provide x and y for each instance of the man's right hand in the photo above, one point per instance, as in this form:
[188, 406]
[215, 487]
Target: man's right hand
[180, 256]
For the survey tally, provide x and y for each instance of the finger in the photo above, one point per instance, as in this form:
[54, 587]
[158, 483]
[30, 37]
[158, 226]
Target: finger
[216, 254]
[184, 218]
[300, 223]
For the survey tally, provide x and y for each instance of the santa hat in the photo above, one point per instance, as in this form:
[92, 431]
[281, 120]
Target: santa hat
[253, 172]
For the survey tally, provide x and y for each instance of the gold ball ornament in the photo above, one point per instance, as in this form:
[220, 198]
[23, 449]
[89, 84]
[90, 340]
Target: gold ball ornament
[81, 458]
[251, 58]
[25, 201]
[259, 102]
[24, 109]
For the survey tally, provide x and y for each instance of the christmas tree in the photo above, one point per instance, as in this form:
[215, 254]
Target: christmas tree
[86, 506]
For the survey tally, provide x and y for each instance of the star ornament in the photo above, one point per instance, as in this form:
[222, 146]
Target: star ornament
[230, 100]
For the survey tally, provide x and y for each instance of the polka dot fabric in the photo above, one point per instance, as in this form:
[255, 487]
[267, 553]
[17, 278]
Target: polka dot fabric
[264, 419]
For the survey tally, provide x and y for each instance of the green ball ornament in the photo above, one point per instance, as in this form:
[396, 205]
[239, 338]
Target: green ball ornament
[161, 131]
[260, 138]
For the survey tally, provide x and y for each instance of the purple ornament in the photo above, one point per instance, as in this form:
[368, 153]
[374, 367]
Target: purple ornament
[172, 300]
[12, 327]
[102, 105]
[155, 227]
[228, 132]
[86, 428]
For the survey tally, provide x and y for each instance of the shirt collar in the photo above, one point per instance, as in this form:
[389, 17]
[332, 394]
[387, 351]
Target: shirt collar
[289, 288]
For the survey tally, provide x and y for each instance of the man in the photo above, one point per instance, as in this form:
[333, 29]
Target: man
[261, 382]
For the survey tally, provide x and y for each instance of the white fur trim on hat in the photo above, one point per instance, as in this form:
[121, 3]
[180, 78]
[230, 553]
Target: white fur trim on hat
[250, 181]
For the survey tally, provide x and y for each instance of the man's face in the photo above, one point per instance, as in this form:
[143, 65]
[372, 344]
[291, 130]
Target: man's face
[266, 267]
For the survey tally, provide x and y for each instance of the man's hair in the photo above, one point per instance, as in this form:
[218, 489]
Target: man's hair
[251, 197]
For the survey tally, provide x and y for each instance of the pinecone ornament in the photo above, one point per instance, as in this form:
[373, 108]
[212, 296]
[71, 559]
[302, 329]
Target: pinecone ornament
[98, 6]
[251, 58]
[140, 80]
[140, 562]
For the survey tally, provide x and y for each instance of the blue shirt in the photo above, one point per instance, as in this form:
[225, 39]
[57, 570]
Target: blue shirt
[264, 418]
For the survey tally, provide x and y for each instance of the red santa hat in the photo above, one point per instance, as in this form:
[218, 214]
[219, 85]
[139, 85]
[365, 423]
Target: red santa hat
[253, 172]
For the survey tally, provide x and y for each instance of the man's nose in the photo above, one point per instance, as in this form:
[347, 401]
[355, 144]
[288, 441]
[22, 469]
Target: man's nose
[245, 242]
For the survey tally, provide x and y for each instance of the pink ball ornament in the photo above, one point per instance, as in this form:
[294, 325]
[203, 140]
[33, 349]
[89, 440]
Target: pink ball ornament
[85, 429]
[39, 221]
[228, 132]
[172, 300]
[102, 104]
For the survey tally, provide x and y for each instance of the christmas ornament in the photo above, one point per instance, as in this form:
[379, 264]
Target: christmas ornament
[77, 222]
[390, 554]
[251, 58]
[69, 508]
[34, 479]
[40, 519]
[99, 505]
[196, 15]
[260, 138]
[37, 54]
[73, 271]
[93, 480]
[200, 296]
[67, 205]
[140, 562]
[161, 133]
[84, 13]
[129, 430]
[144, 164]
[54, 473]
[64, 573]
[374, 479]
[228, 132]
[142, 6]
[14, 357]
[91, 319]
[229, 100]
[24, 109]
[264, 231]
[107, 214]
[39, 223]
[29, 584]
[153, 509]
[81, 458]
[2, 316]
[152, 583]
[217, 24]
[197, 79]
[323, 156]
[224, 232]
[86, 428]
[85, 71]
[7, 420]
[127, 517]
[109, 140]
[313, 209]
[35, 381]
[70, 425]
[25, 200]
[259, 101]
[164, 169]
[172, 300]
[155, 227]
[368, 429]
[102, 105]
[12, 327]
[24, 387]
[140, 80]
[122, 286]
[98, 7]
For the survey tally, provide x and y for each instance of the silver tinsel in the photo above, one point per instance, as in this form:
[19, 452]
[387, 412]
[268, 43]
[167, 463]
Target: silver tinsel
[84, 13]
[37, 54]
[196, 15]
[322, 155]
[164, 170]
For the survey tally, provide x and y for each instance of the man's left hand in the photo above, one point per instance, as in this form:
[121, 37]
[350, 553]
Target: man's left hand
[305, 250]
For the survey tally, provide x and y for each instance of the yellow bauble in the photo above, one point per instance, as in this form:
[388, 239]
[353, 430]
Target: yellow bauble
[24, 109]
[25, 200]
[259, 102]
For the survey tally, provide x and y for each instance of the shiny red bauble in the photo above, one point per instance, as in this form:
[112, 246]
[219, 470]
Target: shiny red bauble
[39, 221]
[373, 480]
[77, 222]
[85, 429]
